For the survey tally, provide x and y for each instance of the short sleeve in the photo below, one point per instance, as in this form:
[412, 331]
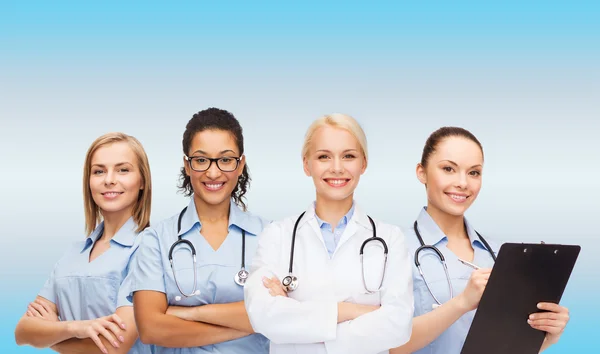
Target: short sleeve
[125, 289]
[48, 291]
[146, 271]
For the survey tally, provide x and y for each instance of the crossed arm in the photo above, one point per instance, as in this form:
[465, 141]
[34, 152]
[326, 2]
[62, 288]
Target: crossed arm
[185, 327]
[40, 327]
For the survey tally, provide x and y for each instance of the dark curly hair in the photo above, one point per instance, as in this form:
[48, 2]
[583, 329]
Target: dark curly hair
[218, 119]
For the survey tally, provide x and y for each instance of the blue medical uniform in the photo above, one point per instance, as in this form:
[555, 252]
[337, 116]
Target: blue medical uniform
[84, 290]
[215, 269]
[452, 340]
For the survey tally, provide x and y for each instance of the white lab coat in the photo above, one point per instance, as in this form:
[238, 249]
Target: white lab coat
[306, 320]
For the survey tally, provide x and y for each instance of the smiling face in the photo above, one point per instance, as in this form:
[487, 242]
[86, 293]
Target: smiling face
[452, 175]
[335, 161]
[213, 186]
[115, 179]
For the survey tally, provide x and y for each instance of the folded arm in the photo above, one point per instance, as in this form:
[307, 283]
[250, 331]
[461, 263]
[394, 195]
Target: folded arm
[390, 325]
[129, 335]
[232, 315]
[35, 330]
[159, 328]
[40, 328]
[279, 317]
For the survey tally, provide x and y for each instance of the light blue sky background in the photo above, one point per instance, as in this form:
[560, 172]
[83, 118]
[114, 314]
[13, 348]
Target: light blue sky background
[524, 78]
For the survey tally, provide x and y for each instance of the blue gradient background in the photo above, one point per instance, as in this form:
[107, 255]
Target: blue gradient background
[523, 77]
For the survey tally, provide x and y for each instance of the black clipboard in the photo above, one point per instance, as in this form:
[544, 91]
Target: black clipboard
[523, 275]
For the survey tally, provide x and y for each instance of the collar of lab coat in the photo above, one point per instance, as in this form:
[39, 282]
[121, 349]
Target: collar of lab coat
[358, 220]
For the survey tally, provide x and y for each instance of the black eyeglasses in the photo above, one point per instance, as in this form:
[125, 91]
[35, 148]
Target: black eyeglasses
[201, 163]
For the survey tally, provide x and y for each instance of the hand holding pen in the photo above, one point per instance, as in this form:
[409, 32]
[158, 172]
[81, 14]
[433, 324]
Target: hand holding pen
[472, 294]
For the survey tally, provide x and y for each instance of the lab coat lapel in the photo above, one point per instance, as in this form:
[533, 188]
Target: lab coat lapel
[310, 218]
[358, 221]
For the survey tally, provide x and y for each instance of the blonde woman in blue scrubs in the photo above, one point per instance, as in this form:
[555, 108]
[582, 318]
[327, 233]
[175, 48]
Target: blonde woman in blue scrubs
[451, 169]
[83, 306]
[187, 304]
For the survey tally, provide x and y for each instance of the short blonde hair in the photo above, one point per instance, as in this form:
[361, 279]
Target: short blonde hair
[337, 120]
[141, 210]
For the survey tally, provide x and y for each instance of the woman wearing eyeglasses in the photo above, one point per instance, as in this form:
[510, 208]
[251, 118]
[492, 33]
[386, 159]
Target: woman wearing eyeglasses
[188, 276]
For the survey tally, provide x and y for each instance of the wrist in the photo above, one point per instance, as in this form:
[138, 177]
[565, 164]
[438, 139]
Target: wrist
[70, 328]
[197, 313]
[343, 312]
[462, 304]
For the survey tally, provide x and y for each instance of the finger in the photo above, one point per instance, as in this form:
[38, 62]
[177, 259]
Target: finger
[550, 306]
[98, 343]
[115, 329]
[545, 316]
[44, 305]
[266, 282]
[29, 314]
[484, 277]
[38, 307]
[550, 323]
[116, 319]
[548, 329]
[34, 312]
[106, 334]
[275, 279]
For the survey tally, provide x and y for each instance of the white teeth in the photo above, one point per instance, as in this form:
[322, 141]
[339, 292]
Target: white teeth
[214, 186]
[337, 181]
[111, 194]
[458, 197]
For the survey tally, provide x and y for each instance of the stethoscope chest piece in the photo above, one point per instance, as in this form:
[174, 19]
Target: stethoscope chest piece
[290, 283]
[241, 277]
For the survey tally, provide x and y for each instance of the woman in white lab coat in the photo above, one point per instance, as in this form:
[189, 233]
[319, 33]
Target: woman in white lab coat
[331, 307]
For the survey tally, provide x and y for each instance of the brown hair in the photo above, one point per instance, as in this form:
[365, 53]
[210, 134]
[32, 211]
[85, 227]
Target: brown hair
[445, 132]
[215, 119]
[141, 210]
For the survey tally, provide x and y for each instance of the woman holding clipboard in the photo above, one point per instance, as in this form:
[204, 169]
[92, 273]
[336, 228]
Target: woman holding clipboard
[452, 262]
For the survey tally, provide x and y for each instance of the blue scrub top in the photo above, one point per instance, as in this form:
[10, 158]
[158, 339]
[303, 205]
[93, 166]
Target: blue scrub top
[215, 269]
[452, 340]
[84, 290]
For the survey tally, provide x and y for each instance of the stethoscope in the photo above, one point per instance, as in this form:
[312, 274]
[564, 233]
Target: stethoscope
[239, 278]
[442, 259]
[290, 281]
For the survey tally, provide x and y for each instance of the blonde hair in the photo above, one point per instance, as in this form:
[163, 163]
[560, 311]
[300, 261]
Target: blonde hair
[141, 210]
[337, 120]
